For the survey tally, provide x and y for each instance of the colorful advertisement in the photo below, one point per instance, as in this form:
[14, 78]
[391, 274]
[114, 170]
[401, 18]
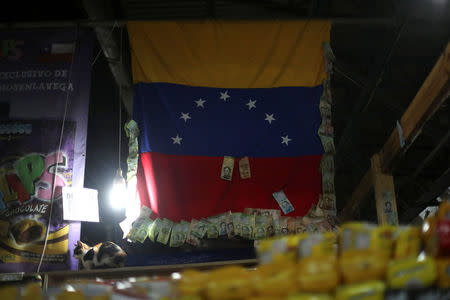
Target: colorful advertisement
[45, 78]
[30, 167]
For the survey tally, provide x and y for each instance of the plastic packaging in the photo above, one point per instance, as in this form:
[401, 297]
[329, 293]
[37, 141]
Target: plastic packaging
[411, 273]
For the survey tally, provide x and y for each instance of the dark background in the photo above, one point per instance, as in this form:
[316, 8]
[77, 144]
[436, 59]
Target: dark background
[384, 50]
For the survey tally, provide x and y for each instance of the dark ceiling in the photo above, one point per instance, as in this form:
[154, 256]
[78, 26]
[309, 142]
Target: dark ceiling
[384, 50]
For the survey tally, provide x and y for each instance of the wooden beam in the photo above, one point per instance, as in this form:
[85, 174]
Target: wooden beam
[433, 92]
[431, 95]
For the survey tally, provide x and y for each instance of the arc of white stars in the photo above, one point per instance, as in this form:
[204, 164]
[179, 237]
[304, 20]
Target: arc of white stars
[185, 116]
[285, 140]
[224, 96]
[269, 118]
[251, 104]
[200, 102]
[177, 140]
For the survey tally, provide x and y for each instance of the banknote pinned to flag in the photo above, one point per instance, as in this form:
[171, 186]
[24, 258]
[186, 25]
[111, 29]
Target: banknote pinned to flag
[227, 168]
[283, 202]
[244, 168]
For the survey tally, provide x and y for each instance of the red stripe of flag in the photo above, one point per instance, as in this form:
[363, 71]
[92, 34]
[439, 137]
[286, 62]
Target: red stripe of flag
[190, 186]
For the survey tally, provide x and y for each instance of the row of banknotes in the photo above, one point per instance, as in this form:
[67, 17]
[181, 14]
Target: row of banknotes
[252, 224]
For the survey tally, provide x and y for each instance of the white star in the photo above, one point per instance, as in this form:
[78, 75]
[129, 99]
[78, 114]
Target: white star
[176, 140]
[200, 102]
[251, 104]
[185, 117]
[269, 118]
[286, 140]
[224, 96]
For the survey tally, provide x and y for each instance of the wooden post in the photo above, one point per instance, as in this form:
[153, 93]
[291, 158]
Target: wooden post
[384, 193]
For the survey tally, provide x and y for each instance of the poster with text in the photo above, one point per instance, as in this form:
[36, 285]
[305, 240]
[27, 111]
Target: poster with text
[32, 172]
[45, 77]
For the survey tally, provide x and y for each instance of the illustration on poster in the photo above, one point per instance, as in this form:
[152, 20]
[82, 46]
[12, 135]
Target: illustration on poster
[32, 175]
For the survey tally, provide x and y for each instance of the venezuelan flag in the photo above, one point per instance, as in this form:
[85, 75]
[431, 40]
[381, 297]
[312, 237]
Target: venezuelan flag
[209, 89]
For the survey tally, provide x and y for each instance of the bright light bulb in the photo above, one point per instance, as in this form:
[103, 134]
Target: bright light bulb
[118, 193]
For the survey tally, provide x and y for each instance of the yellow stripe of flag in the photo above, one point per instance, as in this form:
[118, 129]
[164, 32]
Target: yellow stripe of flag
[229, 54]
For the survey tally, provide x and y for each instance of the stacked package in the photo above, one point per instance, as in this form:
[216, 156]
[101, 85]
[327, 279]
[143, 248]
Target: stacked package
[362, 261]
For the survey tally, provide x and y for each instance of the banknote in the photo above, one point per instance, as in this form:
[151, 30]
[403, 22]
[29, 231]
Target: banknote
[291, 223]
[328, 183]
[244, 168]
[284, 225]
[312, 212]
[283, 202]
[222, 221]
[133, 230]
[200, 228]
[300, 227]
[179, 234]
[213, 228]
[250, 211]
[318, 225]
[268, 212]
[260, 227]
[191, 238]
[164, 233]
[326, 128]
[154, 229]
[143, 230]
[145, 211]
[326, 205]
[236, 217]
[327, 163]
[333, 222]
[328, 144]
[273, 221]
[230, 225]
[227, 168]
[141, 225]
[325, 109]
[247, 226]
[276, 226]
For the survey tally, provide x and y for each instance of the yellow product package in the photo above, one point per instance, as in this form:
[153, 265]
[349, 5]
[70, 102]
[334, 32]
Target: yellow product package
[229, 283]
[317, 266]
[192, 282]
[365, 250]
[265, 298]
[407, 242]
[195, 297]
[443, 272]
[274, 250]
[32, 291]
[358, 266]
[66, 295]
[411, 272]
[304, 296]
[8, 293]
[318, 274]
[370, 290]
[382, 240]
[364, 236]
[276, 279]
